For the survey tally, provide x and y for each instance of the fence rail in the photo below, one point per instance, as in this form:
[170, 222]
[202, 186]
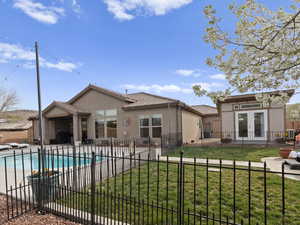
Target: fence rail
[127, 184]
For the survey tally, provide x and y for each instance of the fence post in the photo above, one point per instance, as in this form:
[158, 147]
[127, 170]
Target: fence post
[6, 187]
[93, 188]
[74, 168]
[149, 144]
[39, 197]
[112, 156]
[180, 192]
[161, 145]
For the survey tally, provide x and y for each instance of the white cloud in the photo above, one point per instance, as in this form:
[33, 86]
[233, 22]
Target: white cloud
[128, 9]
[159, 88]
[209, 86]
[219, 76]
[40, 12]
[11, 52]
[188, 73]
[64, 66]
[76, 7]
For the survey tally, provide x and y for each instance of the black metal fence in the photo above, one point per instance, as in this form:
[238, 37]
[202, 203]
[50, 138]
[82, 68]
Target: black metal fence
[170, 142]
[122, 183]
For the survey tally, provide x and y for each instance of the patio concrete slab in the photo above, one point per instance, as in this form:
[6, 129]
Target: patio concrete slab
[275, 164]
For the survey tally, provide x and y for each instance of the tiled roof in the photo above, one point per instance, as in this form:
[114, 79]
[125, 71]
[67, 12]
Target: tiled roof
[145, 99]
[206, 109]
[101, 90]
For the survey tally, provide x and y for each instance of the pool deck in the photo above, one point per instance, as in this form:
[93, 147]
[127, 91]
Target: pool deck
[16, 177]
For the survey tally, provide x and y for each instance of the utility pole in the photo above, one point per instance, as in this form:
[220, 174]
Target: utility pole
[40, 105]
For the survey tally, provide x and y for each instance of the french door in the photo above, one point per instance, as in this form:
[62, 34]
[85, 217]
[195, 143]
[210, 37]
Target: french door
[251, 125]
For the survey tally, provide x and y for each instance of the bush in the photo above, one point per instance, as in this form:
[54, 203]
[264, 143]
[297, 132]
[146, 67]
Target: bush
[280, 140]
[226, 140]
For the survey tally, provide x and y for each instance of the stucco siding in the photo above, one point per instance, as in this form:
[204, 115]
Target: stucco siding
[93, 101]
[191, 131]
[276, 121]
[127, 120]
[56, 112]
[131, 119]
[275, 118]
[228, 124]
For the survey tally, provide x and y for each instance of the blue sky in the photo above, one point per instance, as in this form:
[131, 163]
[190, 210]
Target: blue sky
[143, 45]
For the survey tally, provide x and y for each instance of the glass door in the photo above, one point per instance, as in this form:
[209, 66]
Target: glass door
[259, 126]
[251, 125]
[243, 125]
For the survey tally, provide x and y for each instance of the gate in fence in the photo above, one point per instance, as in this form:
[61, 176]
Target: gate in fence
[125, 183]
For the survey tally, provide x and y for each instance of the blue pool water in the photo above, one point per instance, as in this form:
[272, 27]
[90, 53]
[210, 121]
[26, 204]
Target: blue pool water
[52, 161]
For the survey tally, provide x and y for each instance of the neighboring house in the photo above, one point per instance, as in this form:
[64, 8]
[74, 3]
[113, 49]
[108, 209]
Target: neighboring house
[293, 116]
[210, 119]
[15, 126]
[243, 118]
[97, 113]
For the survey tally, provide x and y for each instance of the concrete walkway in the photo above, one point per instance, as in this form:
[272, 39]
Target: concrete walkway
[214, 162]
[273, 164]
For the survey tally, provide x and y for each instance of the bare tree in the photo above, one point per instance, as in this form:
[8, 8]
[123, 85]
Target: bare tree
[8, 99]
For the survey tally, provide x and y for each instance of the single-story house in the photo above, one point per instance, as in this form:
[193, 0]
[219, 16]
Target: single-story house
[97, 113]
[243, 118]
[15, 126]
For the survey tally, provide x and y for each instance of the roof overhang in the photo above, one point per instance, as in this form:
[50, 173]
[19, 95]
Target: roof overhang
[102, 91]
[162, 105]
[252, 97]
[68, 109]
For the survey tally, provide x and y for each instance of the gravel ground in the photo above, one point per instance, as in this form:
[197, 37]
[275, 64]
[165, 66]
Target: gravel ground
[30, 218]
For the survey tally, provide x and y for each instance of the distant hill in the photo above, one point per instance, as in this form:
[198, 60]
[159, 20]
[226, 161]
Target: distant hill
[17, 115]
[16, 119]
[293, 112]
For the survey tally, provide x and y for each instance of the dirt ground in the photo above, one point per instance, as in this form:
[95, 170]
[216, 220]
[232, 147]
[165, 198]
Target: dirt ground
[31, 218]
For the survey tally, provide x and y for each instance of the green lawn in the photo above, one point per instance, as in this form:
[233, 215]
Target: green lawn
[134, 185]
[230, 153]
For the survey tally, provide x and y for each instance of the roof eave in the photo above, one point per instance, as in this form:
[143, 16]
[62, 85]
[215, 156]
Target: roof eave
[101, 90]
[252, 97]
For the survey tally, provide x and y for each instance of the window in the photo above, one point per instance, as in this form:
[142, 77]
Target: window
[156, 126]
[111, 126]
[84, 129]
[236, 107]
[251, 106]
[144, 127]
[106, 123]
[151, 126]
[100, 128]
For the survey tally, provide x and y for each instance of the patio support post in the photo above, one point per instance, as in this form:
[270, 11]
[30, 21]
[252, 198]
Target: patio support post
[75, 128]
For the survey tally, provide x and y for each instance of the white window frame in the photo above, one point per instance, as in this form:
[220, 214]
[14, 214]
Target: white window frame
[250, 106]
[250, 116]
[105, 118]
[150, 126]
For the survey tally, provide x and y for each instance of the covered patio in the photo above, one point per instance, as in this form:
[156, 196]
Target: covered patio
[64, 124]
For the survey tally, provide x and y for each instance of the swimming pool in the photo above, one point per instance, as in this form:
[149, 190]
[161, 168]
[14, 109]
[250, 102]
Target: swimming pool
[29, 162]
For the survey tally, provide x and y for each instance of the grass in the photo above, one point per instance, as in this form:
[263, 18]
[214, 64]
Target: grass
[160, 191]
[229, 153]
